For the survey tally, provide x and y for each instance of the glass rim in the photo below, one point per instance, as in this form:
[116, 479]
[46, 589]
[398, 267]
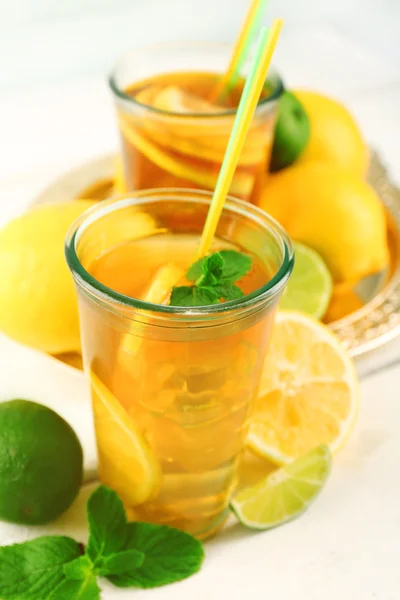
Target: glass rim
[239, 207]
[278, 87]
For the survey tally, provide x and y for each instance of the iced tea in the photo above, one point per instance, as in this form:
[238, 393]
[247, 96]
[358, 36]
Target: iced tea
[173, 388]
[174, 129]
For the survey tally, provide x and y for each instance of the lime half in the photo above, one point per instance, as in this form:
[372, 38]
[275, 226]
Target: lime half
[285, 494]
[309, 289]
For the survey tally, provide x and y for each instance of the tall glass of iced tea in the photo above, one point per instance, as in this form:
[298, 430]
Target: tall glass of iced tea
[172, 387]
[174, 130]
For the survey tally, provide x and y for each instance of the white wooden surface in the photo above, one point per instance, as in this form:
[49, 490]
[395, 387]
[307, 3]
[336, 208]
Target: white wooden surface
[55, 112]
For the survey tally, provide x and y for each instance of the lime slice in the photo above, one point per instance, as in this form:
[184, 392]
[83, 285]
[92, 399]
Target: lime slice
[309, 289]
[285, 494]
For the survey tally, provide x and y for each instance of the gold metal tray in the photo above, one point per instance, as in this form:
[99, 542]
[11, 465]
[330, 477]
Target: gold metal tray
[376, 323]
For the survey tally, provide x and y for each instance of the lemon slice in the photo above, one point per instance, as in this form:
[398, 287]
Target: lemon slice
[310, 286]
[165, 279]
[126, 462]
[172, 98]
[208, 142]
[159, 291]
[309, 393]
[286, 493]
[201, 175]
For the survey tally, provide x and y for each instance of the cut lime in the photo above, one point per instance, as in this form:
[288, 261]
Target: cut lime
[285, 494]
[309, 289]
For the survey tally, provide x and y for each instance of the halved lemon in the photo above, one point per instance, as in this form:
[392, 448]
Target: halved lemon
[284, 494]
[309, 393]
[126, 461]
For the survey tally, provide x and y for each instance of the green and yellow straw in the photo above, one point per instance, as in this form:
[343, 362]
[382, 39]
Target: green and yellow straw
[247, 106]
[241, 49]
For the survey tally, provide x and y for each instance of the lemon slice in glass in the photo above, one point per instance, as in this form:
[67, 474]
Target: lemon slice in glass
[126, 461]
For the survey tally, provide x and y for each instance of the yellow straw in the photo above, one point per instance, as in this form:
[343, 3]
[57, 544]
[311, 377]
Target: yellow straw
[240, 48]
[248, 103]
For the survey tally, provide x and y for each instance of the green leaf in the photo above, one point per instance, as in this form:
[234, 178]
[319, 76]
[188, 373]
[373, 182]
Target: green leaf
[30, 571]
[170, 555]
[212, 268]
[79, 568]
[69, 589]
[235, 266]
[211, 265]
[206, 280]
[196, 270]
[193, 296]
[107, 521]
[122, 562]
[228, 291]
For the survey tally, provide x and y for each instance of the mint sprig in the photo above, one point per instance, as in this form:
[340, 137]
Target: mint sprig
[120, 562]
[31, 571]
[84, 589]
[169, 555]
[78, 568]
[128, 554]
[107, 524]
[214, 278]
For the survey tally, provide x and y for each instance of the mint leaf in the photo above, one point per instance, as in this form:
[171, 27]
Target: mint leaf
[79, 568]
[235, 266]
[122, 562]
[69, 589]
[193, 296]
[107, 523]
[228, 291]
[214, 279]
[212, 268]
[30, 571]
[170, 555]
[196, 270]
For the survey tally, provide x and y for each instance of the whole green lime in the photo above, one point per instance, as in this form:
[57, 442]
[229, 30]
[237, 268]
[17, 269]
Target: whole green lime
[41, 463]
[292, 132]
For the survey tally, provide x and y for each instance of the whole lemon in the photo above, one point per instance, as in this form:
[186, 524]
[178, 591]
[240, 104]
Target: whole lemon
[336, 213]
[37, 297]
[334, 134]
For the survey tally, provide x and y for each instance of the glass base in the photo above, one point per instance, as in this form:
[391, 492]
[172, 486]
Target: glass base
[202, 528]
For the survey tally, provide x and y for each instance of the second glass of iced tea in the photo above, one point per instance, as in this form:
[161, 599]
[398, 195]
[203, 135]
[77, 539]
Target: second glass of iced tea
[174, 125]
[172, 387]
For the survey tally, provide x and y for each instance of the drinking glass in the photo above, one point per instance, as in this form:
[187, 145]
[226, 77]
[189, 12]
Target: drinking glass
[163, 147]
[173, 387]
